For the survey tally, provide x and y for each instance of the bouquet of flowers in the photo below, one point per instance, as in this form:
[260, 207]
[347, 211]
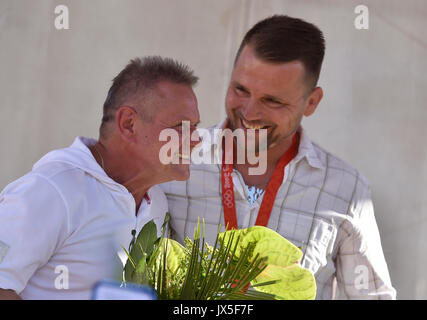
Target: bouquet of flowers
[253, 263]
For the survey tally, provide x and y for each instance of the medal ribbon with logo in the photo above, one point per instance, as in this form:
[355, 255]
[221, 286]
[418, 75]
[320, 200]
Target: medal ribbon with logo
[228, 200]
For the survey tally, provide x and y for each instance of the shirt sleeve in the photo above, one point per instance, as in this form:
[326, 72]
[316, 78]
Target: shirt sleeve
[32, 225]
[361, 269]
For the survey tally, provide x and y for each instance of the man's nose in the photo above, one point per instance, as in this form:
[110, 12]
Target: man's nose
[251, 110]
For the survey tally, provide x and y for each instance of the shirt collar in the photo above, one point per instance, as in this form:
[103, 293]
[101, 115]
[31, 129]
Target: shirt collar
[306, 148]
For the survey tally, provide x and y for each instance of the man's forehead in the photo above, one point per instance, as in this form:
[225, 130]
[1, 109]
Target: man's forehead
[273, 78]
[171, 112]
[249, 63]
[168, 89]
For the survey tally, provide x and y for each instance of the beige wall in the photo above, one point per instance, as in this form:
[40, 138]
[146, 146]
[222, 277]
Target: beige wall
[53, 83]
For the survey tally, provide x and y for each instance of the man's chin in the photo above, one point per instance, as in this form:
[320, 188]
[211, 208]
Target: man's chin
[181, 172]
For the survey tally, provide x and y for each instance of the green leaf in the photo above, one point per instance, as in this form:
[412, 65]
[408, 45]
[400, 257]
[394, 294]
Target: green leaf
[140, 274]
[283, 276]
[165, 223]
[268, 243]
[145, 241]
[141, 249]
[129, 267]
[278, 252]
[175, 253]
[291, 283]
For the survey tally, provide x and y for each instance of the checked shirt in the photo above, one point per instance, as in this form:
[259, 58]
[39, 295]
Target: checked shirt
[323, 206]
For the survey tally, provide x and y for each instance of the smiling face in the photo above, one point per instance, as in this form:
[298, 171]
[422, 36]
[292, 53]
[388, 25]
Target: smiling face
[172, 103]
[271, 96]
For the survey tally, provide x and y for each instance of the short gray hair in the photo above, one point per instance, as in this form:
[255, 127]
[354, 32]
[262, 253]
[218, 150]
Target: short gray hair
[139, 75]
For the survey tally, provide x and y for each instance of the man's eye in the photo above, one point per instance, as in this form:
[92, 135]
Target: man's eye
[273, 102]
[241, 90]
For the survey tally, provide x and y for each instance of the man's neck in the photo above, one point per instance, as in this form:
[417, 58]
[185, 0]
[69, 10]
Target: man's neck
[136, 183]
[273, 156]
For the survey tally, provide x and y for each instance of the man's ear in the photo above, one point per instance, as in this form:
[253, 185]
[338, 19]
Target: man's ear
[126, 122]
[313, 101]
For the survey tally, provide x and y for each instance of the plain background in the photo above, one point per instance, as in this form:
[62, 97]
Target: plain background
[373, 114]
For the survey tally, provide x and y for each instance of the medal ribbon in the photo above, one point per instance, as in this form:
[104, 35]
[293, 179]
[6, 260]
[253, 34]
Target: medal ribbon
[228, 200]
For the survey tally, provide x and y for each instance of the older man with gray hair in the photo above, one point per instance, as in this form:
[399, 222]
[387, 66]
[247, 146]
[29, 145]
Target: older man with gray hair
[63, 225]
